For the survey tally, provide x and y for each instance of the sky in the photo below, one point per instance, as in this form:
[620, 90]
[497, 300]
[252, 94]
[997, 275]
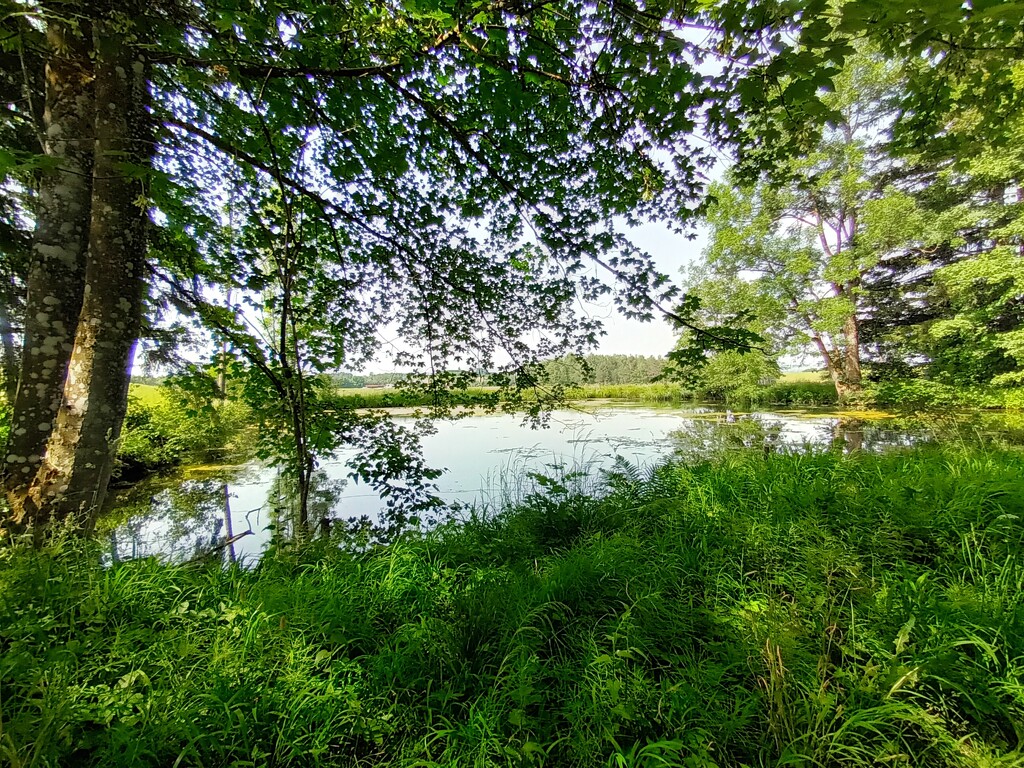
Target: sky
[671, 253]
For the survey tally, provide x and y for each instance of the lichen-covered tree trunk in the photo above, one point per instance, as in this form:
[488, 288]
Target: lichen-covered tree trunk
[55, 279]
[72, 481]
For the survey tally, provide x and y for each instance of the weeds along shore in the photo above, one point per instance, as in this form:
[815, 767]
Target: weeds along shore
[785, 609]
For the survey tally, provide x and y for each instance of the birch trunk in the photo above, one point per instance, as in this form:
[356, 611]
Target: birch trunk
[55, 280]
[72, 481]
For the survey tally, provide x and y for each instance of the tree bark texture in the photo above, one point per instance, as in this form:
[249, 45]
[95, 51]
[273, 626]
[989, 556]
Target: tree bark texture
[851, 355]
[55, 280]
[843, 362]
[73, 478]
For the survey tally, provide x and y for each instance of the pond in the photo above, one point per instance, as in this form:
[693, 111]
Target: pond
[492, 460]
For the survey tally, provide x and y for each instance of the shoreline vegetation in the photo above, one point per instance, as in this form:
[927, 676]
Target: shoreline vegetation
[800, 390]
[165, 429]
[753, 609]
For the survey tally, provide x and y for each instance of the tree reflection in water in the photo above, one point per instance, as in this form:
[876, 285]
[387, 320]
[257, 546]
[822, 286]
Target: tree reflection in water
[283, 500]
[717, 433]
[180, 520]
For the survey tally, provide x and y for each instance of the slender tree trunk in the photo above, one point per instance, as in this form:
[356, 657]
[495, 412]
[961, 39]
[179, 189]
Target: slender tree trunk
[229, 530]
[55, 279]
[73, 479]
[222, 363]
[851, 357]
[305, 463]
[8, 354]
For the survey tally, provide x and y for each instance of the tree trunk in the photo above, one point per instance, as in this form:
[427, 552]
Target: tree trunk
[843, 365]
[73, 479]
[851, 357]
[843, 392]
[229, 530]
[55, 280]
[832, 365]
[8, 356]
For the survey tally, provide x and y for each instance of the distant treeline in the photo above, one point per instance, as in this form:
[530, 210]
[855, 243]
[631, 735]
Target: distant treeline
[606, 369]
[349, 380]
[568, 371]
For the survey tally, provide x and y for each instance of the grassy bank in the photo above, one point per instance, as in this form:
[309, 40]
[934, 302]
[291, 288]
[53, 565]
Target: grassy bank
[797, 392]
[808, 610]
[397, 398]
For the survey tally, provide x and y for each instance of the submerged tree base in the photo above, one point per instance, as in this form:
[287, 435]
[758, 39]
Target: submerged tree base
[808, 609]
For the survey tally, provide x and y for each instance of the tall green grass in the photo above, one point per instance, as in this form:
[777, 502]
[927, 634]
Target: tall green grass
[662, 392]
[755, 610]
[398, 398]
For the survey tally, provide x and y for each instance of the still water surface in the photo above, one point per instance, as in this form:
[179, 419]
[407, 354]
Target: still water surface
[488, 460]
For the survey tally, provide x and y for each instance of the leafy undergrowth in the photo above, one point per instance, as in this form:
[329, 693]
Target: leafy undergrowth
[920, 393]
[780, 610]
[164, 428]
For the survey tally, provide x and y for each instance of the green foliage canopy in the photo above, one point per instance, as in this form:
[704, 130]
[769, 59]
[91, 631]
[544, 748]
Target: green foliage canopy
[454, 175]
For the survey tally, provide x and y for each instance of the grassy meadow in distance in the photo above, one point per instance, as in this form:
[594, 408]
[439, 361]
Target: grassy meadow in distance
[750, 610]
[147, 394]
[802, 377]
[800, 389]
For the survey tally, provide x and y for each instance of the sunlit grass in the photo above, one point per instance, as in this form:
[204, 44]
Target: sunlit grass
[147, 394]
[794, 377]
[759, 610]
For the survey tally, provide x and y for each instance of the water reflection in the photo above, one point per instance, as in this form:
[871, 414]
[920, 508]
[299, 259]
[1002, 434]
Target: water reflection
[283, 499]
[181, 521]
[234, 514]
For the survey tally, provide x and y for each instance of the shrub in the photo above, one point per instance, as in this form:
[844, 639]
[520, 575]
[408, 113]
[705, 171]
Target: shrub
[921, 393]
[169, 429]
[797, 393]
